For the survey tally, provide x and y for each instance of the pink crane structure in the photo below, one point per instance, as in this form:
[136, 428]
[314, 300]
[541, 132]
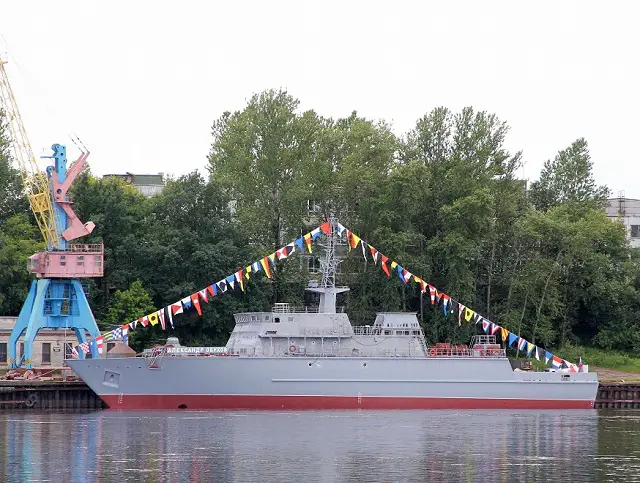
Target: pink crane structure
[56, 299]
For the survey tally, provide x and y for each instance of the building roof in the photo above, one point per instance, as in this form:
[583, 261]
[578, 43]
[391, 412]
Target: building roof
[139, 179]
[121, 350]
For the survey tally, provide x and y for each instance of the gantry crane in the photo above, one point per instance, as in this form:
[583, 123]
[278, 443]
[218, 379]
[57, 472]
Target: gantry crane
[56, 298]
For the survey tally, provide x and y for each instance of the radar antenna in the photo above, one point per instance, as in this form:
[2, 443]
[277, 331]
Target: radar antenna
[329, 266]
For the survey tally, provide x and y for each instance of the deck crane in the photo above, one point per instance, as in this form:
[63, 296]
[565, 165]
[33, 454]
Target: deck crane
[56, 299]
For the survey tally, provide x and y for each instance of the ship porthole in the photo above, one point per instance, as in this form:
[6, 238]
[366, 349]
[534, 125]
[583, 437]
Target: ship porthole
[182, 406]
[364, 364]
[310, 364]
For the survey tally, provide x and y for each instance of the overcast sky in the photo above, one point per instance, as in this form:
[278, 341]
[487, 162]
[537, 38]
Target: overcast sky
[141, 82]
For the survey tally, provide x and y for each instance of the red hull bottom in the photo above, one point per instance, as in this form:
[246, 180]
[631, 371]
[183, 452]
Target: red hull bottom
[194, 401]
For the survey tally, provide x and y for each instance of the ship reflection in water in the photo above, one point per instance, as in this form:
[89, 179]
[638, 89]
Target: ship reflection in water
[320, 446]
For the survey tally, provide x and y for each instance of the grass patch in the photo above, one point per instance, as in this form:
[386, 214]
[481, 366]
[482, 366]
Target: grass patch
[619, 361]
[594, 357]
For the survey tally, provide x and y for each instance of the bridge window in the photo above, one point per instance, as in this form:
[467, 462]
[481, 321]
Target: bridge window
[276, 319]
[46, 352]
[3, 353]
[387, 332]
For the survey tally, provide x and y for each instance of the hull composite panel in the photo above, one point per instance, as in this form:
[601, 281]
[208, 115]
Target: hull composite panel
[301, 383]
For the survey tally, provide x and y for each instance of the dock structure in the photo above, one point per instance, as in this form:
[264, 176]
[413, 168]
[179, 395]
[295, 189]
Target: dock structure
[48, 395]
[618, 395]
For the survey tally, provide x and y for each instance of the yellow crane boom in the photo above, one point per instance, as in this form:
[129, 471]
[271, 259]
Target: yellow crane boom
[35, 181]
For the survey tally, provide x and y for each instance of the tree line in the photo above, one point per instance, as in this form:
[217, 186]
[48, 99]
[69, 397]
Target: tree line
[444, 200]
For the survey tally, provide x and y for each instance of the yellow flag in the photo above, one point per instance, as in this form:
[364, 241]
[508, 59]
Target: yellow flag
[393, 265]
[505, 333]
[468, 314]
[153, 318]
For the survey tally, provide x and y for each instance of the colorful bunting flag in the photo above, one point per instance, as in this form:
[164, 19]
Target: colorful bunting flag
[153, 318]
[265, 266]
[177, 308]
[468, 314]
[186, 302]
[100, 343]
[460, 310]
[432, 293]
[326, 228]
[530, 348]
[374, 254]
[521, 344]
[238, 276]
[504, 333]
[161, 317]
[195, 300]
[383, 264]
[308, 240]
[231, 280]
[170, 316]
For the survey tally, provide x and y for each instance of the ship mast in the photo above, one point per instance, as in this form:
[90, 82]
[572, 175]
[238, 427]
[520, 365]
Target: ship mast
[329, 266]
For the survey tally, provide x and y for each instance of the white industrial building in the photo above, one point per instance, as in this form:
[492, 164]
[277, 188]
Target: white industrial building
[626, 210]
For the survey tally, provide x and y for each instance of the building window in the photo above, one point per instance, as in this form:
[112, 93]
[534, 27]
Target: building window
[20, 350]
[68, 350]
[635, 231]
[3, 353]
[46, 352]
[80, 261]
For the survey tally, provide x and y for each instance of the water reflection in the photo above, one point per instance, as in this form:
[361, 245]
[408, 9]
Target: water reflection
[320, 446]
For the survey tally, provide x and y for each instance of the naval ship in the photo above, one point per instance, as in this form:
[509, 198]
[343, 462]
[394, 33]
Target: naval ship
[314, 358]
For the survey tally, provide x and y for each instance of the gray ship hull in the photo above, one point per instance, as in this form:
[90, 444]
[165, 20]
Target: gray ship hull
[296, 382]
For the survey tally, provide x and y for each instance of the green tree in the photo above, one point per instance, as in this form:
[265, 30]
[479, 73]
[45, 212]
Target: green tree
[128, 305]
[12, 199]
[568, 178]
[18, 241]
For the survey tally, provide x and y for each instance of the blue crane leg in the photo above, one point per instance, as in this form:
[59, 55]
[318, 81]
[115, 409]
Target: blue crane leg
[21, 326]
[37, 320]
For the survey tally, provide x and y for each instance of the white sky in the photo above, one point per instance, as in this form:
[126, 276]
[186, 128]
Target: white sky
[141, 82]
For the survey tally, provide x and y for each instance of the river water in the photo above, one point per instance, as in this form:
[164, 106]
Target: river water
[341, 446]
